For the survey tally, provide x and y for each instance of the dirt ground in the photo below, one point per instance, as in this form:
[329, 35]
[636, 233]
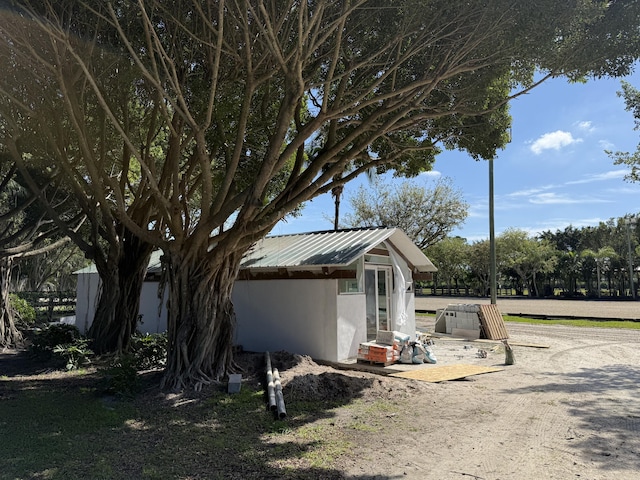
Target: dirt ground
[567, 411]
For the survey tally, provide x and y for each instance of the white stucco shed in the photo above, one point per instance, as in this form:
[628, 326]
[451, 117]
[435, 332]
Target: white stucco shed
[319, 294]
[324, 293]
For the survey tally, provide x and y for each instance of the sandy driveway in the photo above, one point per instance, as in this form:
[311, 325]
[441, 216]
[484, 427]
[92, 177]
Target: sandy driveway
[566, 412]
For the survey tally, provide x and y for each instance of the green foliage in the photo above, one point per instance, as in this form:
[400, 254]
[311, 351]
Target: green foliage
[149, 351]
[22, 310]
[121, 377]
[425, 213]
[74, 354]
[631, 97]
[48, 338]
[145, 352]
[589, 323]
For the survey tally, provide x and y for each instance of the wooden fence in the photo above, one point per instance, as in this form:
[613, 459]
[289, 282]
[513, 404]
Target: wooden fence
[50, 306]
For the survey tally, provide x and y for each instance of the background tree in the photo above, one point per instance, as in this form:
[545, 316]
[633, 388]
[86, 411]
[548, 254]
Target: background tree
[526, 257]
[602, 260]
[478, 256]
[225, 82]
[631, 97]
[426, 215]
[450, 257]
[50, 271]
[25, 231]
[85, 149]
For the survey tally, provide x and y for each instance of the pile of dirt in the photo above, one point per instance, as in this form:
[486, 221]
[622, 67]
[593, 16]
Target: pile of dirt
[305, 380]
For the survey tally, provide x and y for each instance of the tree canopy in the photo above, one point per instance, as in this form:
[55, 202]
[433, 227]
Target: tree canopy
[574, 261]
[426, 215]
[631, 97]
[219, 117]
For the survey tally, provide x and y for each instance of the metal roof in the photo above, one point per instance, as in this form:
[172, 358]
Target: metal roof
[155, 265]
[318, 249]
[331, 249]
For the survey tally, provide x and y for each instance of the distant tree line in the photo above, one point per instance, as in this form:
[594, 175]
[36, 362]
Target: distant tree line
[574, 262]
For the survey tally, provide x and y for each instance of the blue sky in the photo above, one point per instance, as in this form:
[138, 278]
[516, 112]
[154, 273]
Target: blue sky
[554, 173]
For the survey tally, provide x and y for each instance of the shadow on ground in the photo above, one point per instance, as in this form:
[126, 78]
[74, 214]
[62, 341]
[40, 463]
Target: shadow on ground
[605, 402]
[63, 426]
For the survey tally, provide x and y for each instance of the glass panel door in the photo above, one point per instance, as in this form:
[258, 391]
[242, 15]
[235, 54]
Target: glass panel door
[372, 303]
[377, 281]
[383, 299]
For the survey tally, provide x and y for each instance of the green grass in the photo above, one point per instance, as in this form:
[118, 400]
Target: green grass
[51, 433]
[576, 323]
[63, 427]
[628, 324]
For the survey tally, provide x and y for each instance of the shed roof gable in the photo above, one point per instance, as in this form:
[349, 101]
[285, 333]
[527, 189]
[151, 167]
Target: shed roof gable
[330, 249]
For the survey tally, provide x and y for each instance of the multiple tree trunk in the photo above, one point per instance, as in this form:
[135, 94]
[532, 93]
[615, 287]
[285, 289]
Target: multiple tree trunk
[121, 281]
[201, 318]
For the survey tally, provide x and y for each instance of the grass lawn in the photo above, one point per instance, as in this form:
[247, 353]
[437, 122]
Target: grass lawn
[570, 323]
[62, 426]
[576, 323]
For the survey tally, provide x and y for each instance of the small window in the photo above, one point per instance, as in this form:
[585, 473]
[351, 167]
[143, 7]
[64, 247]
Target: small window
[348, 285]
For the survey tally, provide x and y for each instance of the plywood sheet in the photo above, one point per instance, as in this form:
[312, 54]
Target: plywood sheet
[445, 372]
[492, 323]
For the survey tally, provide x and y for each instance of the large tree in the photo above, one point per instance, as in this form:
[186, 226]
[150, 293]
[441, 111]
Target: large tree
[427, 215]
[51, 119]
[262, 105]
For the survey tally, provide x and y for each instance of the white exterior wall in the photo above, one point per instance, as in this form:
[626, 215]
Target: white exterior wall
[152, 320]
[299, 316]
[352, 324]
[87, 297]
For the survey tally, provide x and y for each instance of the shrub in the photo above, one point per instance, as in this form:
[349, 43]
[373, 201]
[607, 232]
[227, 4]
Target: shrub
[45, 340]
[149, 351]
[74, 354]
[121, 377]
[23, 311]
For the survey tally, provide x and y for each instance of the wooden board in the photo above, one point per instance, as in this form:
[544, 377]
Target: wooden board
[492, 323]
[445, 372]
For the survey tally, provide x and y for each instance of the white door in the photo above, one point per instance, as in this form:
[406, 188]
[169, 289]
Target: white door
[377, 286]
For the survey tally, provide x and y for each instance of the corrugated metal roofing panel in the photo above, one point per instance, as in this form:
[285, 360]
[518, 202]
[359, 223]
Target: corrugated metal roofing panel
[319, 249]
[330, 248]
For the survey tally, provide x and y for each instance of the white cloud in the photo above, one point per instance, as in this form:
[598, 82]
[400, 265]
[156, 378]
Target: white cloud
[558, 199]
[529, 192]
[553, 141]
[599, 177]
[431, 173]
[586, 126]
[552, 198]
[606, 145]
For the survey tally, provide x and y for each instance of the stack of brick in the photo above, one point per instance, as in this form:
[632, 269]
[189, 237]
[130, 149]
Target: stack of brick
[376, 353]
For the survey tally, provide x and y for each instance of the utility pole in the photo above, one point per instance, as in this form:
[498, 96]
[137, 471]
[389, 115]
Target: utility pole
[492, 240]
[631, 222]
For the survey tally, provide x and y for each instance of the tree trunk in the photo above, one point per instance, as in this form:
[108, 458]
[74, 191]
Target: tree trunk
[10, 336]
[118, 305]
[201, 318]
